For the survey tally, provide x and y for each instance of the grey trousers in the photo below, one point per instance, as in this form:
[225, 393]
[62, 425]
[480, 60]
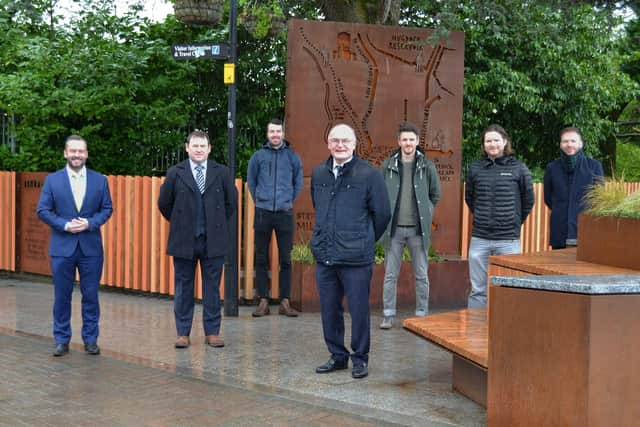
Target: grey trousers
[392, 263]
[479, 252]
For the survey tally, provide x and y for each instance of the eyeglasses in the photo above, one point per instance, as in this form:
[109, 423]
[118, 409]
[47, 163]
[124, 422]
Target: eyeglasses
[344, 141]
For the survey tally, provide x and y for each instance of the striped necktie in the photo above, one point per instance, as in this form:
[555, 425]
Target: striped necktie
[200, 178]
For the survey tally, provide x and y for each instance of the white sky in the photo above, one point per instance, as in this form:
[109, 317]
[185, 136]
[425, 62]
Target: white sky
[155, 10]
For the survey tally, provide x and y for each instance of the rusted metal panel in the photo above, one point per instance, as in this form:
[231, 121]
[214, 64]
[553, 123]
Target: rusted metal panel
[32, 234]
[373, 78]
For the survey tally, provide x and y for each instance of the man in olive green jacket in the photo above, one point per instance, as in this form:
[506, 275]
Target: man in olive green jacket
[414, 189]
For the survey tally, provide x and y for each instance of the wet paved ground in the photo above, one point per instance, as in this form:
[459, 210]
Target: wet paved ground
[264, 375]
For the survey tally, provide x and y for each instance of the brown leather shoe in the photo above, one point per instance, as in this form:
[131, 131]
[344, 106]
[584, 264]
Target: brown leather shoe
[182, 342]
[263, 308]
[285, 308]
[214, 340]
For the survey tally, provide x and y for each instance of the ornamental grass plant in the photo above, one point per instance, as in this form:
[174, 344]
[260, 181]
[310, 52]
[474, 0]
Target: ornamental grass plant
[611, 199]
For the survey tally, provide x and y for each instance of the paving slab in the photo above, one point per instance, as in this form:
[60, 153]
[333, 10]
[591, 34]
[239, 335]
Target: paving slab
[273, 357]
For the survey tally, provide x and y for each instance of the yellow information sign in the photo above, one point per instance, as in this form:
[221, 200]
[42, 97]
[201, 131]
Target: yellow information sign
[229, 74]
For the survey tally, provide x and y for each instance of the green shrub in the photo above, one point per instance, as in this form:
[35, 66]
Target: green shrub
[628, 161]
[301, 252]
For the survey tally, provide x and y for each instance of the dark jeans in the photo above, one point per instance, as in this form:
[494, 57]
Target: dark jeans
[183, 301]
[264, 224]
[333, 284]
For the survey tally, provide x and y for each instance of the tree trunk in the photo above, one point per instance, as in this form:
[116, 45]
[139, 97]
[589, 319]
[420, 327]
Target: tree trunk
[362, 11]
[608, 147]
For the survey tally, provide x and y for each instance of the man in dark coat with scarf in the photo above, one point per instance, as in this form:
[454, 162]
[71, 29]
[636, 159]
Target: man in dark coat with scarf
[566, 181]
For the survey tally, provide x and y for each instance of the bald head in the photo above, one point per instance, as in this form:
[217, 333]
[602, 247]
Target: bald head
[341, 143]
[342, 131]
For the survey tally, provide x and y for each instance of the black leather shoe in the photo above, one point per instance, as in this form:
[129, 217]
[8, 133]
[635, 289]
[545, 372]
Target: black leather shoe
[92, 348]
[360, 371]
[331, 365]
[61, 350]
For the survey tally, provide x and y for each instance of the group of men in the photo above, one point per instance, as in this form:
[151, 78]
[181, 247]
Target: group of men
[355, 206]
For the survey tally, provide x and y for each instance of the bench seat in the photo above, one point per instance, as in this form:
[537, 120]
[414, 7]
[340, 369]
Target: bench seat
[465, 334]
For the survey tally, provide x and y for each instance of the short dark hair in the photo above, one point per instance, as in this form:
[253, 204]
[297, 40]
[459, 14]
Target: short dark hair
[497, 128]
[408, 127]
[198, 134]
[74, 138]
[570, 129]
[275, 121]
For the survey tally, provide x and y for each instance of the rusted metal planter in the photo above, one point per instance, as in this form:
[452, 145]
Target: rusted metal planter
[199, 12]
[449, 286]
[609, 240]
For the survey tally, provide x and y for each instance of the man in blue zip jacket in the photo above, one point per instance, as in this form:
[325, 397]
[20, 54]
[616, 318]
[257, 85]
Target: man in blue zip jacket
[275, 180]
[351, 213]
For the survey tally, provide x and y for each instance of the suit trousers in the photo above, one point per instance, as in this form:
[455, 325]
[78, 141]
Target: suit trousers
[334, 282]
[265, 223]
[64, 274]
[184, 279]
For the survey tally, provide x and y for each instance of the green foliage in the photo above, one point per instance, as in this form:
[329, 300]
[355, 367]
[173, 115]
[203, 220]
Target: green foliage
[535, 68]
[605, 199]
[301, 252]
[112, 80]
[379, 254]
[630, 206]
[628, 161]
[532, 67]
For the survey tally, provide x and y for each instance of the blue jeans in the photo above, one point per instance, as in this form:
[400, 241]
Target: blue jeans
[479, 252]
[393, 261]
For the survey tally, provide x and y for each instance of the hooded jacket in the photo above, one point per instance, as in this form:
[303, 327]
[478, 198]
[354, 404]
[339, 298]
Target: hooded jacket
[426, 187]
[274, 177]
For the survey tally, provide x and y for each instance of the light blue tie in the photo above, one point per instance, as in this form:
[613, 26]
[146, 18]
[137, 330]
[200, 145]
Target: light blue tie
[200, 178]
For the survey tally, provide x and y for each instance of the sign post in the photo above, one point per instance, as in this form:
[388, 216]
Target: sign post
[226, 51]
[207, 50]
[231, 267]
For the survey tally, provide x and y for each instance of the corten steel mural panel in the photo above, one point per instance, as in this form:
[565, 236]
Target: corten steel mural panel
[33, 234]
[373, 78]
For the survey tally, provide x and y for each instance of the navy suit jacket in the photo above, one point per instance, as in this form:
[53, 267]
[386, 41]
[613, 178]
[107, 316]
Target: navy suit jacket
[177, 204]
[57, 207]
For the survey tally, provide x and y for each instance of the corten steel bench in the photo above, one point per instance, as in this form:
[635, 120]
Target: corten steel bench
[465, 332]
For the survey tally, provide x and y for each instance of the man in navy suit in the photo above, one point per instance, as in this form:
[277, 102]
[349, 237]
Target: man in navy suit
[75, 202]
[198, 198]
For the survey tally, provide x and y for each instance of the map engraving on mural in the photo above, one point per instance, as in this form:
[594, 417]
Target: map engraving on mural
[374, 78]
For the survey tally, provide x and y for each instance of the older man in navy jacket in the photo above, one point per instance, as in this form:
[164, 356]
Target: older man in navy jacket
[351, 213]
[566, 181]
